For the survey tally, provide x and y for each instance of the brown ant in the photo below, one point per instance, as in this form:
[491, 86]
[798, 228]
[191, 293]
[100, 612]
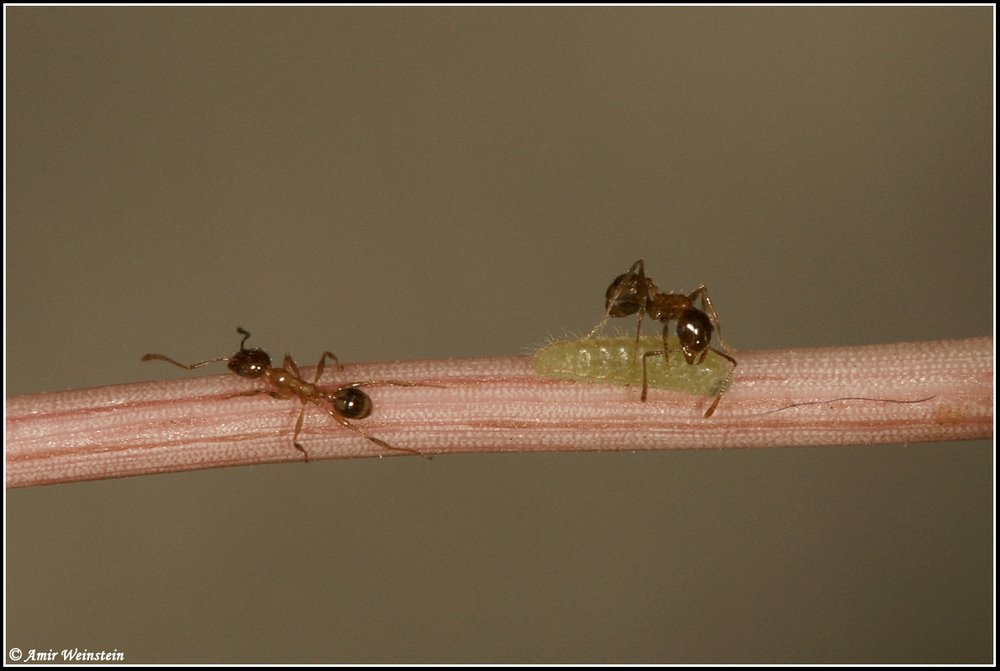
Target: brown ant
[345, 402]
[633, 293]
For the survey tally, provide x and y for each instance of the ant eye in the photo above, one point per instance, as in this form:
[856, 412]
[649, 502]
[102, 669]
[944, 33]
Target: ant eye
[250, 363]
[623, 296]
[352, 403]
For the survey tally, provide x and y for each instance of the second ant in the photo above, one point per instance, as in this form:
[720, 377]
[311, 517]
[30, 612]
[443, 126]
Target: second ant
[345, 402]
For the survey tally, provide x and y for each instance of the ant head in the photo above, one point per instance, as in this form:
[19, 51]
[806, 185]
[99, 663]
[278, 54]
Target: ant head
[250, 362]
[351, 403]
[694, 330]
[628, 294]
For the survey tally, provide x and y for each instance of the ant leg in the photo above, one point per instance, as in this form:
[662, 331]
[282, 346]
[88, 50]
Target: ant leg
[392, 383]
[290, 365]
[272, 394]
[295, 434]
[638, 331]
[706, 304]
[645, 381]
[255, 392]
[724, 386]
[638, 270]
[161, 357]
[666, 358]
[378, 441]
[322, 364]
[281, 397]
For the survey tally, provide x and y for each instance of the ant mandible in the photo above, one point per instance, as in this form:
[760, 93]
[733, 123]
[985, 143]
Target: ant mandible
[633, 293]
[345, 402]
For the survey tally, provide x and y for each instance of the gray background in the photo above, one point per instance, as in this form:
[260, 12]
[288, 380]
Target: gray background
[402, 183]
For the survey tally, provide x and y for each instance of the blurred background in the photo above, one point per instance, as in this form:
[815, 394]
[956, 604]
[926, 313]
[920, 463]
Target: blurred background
[407, 183]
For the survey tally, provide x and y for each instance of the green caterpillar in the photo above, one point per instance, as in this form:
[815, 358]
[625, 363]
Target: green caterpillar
[617, 360]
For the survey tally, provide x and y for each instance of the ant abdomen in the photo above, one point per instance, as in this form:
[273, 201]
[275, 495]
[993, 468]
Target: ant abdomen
[694, 330]
[351, 403]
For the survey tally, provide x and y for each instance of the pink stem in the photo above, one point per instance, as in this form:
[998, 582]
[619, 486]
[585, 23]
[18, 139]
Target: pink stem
[501, 405]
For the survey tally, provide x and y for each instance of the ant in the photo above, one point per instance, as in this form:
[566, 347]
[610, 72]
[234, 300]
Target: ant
[633, 293]
[345, 402]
